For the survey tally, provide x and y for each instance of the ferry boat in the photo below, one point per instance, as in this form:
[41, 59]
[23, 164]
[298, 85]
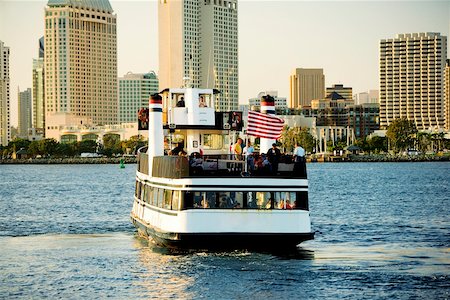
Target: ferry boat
[207, 198]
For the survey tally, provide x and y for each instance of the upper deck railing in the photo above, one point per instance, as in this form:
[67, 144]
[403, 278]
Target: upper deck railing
[221, 166]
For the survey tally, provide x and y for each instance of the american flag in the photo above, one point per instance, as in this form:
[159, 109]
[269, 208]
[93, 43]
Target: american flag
[264, 125]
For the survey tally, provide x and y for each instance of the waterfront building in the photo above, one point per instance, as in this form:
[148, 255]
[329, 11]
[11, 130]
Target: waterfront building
[199, 40]
[280, 102]
[332, 100]
[134, 93]
[38, 120]
[447, 96]
[364, 119]
[5, 123]
[25, 112]
[306, 85]
[80, 63]
[345, 92]
[372, 96]
[412, 83]
[77, 133]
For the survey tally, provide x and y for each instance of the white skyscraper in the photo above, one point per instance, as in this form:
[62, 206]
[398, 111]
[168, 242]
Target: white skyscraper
[5, 124]
[80, 63]
[198, 39]
[412, 80]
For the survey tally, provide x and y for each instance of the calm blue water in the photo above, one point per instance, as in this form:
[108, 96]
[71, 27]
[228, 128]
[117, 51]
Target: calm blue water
[383, 231]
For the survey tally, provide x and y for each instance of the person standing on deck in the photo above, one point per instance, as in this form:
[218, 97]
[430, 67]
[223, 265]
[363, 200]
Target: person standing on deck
[299, 160]
[248, 154]
[237, 149]
[274, 156]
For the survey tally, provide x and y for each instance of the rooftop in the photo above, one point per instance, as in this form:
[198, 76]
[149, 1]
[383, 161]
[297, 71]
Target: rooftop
[101, 5]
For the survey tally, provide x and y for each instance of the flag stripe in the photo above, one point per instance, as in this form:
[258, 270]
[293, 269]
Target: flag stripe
[264, 125]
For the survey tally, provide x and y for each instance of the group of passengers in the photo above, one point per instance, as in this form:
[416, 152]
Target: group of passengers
[263, 164]
[266, 163]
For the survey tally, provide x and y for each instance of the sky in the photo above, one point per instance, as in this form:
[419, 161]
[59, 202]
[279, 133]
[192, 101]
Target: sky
[275, 37]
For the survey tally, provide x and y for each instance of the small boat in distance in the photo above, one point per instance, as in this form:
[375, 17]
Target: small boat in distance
[199, 196]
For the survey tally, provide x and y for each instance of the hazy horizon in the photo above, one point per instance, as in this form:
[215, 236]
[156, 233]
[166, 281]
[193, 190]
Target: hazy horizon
[275, 37]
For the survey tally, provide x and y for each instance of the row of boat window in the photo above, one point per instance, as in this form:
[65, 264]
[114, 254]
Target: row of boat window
[179, 200]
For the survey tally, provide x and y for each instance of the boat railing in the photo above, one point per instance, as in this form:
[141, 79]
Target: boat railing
[223, 165]
[142, 160]
[230, 165]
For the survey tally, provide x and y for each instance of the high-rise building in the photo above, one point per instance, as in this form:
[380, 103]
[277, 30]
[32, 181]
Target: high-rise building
[412, 83]
[367, 97]
[38, 120]
[134, 93]
[306, 85]
[38, 94]
[199, 40]
[24, 110]
[345, 92]
[447, 95]
[280, 102]
[80, 63]
[5, 123]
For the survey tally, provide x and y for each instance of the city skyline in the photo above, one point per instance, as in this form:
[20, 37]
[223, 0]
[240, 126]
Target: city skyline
[340, 37]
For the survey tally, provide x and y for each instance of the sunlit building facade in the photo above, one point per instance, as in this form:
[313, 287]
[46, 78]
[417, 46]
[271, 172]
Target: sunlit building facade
[5, 123]
[199, 40]
[134, 93]
[345, 92]
[25, 112]
[80, 62]
[306, 85]
[412, 79]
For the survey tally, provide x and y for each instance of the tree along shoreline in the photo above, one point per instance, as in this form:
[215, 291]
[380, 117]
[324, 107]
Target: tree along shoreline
[70, 160]
[133, 160]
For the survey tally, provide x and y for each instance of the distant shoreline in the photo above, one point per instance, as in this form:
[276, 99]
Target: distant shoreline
[133, 160]
[69, 160]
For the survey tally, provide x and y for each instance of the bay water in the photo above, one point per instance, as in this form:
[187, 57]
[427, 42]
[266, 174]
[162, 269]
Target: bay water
[382, 231]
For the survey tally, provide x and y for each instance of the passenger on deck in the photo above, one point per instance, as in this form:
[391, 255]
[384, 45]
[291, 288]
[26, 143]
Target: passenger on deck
[299, 161]
[180, 103]
[178, 150]
[274, 156]
[237, 149]
[196, 163]
[288, 204]
[202, 102]
[248, 154]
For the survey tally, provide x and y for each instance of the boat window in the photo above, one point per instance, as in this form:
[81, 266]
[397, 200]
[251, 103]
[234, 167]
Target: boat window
[143, 192]
[167, 199]
[176, 200]
[250, 200]
[263, 200]
[156, 196]
[284, 200]
[205, 200]
[301, 201]
[149, 195]
[212, 141]
[137, 192]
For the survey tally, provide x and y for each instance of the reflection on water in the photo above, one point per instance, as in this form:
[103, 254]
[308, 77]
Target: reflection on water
[164, 276]
[381, 233]
[124, 266]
